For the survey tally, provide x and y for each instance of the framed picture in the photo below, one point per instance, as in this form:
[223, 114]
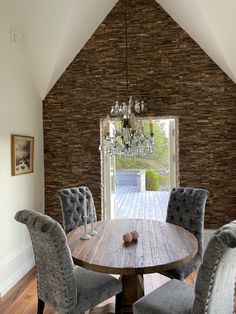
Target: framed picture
[22, 154]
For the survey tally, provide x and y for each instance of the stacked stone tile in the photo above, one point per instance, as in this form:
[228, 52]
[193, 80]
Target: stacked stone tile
[174, 77]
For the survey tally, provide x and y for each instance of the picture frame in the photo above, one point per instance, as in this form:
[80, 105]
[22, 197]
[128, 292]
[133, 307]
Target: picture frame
[22, 154]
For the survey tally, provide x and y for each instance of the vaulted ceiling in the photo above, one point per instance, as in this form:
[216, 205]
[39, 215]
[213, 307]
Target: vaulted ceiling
[56, 30]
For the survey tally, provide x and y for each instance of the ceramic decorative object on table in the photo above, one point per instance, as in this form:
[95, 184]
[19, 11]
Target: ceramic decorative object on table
[135, 235]
[131, 236]
[127, 237]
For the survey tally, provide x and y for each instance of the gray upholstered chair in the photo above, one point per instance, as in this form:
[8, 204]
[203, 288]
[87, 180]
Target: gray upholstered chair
[214, 289]
[186, 208]
[73, 200]
[69, 289]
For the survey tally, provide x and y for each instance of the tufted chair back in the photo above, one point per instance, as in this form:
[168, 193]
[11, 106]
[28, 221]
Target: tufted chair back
[186, 208]
[214, 289]
[56, 282]
[73, 201]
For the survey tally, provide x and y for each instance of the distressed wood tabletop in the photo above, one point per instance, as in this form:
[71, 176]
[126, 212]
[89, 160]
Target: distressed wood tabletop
[161, 246]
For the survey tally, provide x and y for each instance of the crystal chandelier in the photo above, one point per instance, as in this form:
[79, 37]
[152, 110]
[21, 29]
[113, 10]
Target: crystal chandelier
[124, 135]
[123, 131]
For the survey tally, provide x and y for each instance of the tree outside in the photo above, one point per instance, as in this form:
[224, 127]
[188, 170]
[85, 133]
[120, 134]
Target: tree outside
[158, 161]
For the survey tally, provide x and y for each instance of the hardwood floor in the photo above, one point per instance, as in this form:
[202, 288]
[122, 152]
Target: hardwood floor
[22, 298]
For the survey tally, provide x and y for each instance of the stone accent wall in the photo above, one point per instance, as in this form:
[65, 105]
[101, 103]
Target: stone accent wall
[174, 77]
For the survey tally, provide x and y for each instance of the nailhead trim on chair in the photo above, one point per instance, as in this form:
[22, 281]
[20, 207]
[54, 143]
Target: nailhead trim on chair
[72, 204]
[212, 282]
[186, 208]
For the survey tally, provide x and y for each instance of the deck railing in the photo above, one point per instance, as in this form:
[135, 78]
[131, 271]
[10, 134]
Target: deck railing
[132, 177]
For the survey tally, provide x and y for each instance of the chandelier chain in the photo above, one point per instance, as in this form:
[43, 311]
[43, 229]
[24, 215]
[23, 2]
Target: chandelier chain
[124, 132]
[126, 49]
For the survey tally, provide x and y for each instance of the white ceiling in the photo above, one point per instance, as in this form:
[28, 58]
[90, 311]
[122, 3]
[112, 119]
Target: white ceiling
[56, 30]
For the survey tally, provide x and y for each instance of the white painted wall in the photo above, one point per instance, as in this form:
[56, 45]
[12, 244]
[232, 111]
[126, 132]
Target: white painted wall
[20, 113]
[56, 30]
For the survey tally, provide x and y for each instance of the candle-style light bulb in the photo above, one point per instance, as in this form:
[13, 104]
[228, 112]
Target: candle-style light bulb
[106, 127]
[151, 127]
[142, 126]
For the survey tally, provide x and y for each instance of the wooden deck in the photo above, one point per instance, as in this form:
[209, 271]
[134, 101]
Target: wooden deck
[143, 205]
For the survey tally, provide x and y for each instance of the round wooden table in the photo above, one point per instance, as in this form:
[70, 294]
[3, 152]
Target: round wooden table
[161, 246]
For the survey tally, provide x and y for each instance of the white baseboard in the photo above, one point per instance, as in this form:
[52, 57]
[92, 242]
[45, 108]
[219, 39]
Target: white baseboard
[14, 266]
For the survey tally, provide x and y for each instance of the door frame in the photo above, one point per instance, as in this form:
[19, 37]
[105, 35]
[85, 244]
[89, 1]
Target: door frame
[108, 165]
[172, 153]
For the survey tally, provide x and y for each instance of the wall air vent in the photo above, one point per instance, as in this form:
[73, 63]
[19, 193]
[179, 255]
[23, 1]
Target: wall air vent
[16, 38]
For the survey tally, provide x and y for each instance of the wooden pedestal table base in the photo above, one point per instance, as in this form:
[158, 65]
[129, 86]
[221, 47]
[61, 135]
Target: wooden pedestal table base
[161, 246]
[133, 290]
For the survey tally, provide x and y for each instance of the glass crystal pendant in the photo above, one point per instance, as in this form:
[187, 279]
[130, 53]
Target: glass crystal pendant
[124, 134]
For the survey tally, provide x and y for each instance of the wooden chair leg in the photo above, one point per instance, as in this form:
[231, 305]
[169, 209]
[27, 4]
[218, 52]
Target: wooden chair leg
[118, 303]
[40, 306]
